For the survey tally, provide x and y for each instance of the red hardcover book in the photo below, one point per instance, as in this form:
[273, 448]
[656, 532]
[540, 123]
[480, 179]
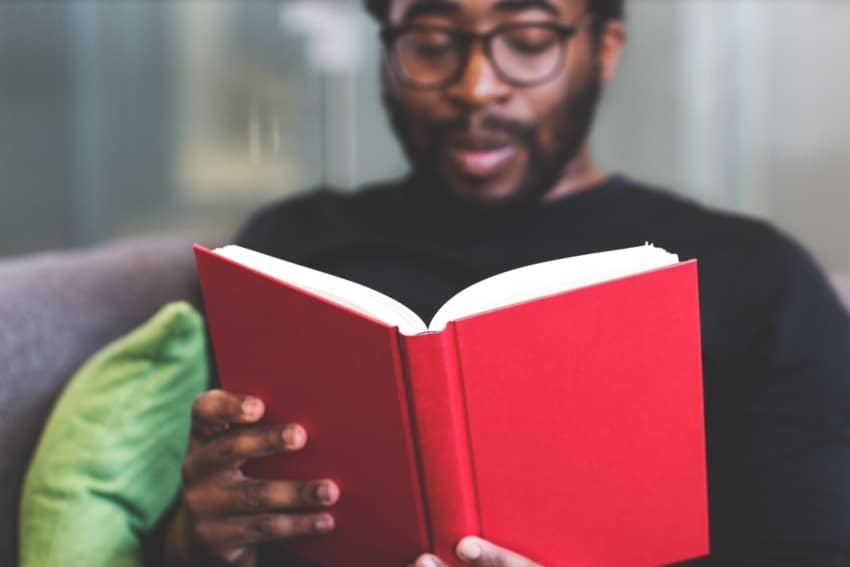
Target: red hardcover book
[556, 410]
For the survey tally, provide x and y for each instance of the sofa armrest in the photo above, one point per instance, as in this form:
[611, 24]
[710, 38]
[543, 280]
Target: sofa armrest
[841, 283]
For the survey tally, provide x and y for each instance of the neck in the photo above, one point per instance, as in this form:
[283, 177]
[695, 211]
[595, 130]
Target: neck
[580, 174]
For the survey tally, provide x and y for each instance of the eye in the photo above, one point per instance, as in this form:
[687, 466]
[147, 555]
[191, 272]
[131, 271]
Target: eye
[530, 41]
[432, 50]
[430, 45]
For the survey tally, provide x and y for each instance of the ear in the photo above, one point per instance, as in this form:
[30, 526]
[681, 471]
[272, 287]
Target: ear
[611, 42]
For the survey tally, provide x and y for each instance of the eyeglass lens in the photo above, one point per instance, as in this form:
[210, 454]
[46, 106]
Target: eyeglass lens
[522, 55]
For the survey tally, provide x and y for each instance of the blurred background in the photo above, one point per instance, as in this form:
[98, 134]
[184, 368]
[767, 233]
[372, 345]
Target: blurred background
[125, 117]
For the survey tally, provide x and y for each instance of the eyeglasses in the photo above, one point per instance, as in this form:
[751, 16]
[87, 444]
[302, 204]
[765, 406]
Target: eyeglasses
[433, 57]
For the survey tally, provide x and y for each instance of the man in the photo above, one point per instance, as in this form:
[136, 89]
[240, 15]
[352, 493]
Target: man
[492, 101]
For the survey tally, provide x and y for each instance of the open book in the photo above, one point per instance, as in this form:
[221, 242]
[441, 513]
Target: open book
[555, 409]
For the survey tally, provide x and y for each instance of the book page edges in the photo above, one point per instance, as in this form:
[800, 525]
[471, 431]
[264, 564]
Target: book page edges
[544, 279]
[347, 294]
[408, 327]
[499, 291]
[442, 438]
[571, 290]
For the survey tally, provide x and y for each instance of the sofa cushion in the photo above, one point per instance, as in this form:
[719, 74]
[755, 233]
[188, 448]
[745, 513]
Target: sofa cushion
[58, 308]
[108, 462]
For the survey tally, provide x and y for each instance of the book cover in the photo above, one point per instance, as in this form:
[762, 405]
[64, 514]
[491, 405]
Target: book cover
[568, 428]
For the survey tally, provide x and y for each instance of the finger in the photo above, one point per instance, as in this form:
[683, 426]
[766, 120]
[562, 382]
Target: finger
[229, 535]
[428, 560]
[475, 551]
[213, 412]
[229, 451]
[259, 496]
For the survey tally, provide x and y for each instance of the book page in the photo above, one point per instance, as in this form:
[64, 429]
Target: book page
[341, 291]
[548, 278]
[508, 288]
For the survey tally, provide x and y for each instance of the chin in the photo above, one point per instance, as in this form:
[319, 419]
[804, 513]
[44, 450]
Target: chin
[495, 200]
[493, 197]
[484, 192]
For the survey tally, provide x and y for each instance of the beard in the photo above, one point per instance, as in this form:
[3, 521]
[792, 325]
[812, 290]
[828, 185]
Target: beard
[423, 143]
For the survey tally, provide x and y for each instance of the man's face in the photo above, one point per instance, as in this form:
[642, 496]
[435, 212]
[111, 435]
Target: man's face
[483, 138]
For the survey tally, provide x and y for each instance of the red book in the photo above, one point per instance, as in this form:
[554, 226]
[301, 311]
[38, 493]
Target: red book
[555, 410]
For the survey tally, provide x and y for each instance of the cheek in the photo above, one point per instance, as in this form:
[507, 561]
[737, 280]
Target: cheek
[413, 102]
[552, 105]
[548, 107]
[416, 110]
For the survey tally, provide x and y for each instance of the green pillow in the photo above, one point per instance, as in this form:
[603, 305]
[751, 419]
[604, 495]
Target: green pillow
[108, 462]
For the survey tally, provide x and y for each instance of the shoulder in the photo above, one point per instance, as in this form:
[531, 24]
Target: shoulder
[697, 226]
[751, 272]
[731, 241]
[762, 292]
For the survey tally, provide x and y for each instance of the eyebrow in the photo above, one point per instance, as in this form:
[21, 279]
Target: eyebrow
[450, 7]
[431, 8]
[521, 5]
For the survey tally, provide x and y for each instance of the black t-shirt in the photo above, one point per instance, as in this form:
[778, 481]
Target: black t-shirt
[776, 341]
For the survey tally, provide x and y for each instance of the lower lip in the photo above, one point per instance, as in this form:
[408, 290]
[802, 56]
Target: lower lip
[483, 163]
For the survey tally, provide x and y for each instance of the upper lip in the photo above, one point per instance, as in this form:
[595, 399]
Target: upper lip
[478, 141]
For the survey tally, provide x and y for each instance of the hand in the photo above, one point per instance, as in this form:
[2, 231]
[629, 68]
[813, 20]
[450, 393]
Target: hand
[224, 514]
[476, 551]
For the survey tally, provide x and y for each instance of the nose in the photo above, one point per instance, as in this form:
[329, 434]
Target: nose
[480, 85]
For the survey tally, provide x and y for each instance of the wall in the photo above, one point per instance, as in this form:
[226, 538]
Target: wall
[125, 117]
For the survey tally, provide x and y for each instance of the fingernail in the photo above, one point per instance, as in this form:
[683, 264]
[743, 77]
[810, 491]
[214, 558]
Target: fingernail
[294, 436]
[324, 523]
[327, 492]
[252, 407]
[468, 549]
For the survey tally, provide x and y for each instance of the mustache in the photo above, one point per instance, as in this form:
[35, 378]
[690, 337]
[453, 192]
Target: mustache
[489, 123]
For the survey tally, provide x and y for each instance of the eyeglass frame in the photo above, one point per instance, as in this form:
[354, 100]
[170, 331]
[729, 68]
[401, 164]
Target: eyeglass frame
[465, 39]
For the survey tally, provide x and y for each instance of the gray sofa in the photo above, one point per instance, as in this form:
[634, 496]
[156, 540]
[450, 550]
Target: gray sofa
[57, 309]
[841, 283]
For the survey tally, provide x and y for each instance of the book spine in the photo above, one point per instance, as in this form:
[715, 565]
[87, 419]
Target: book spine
[440, 429]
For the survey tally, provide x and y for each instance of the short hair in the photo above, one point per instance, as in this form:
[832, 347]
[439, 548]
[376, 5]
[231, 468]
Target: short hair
[601, 10]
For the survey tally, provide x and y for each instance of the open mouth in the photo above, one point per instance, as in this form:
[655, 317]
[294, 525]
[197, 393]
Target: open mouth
[481, 156]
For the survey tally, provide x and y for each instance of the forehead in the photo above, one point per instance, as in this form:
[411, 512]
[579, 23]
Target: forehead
[474, 10]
